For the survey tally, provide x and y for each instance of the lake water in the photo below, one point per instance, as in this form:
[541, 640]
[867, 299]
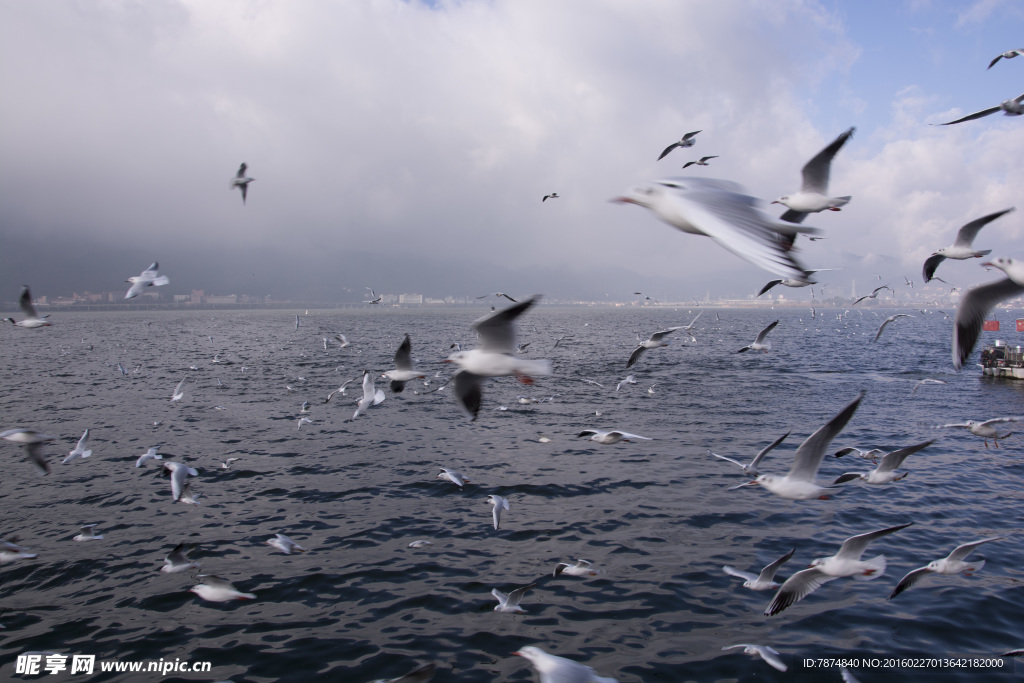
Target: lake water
[656, 516]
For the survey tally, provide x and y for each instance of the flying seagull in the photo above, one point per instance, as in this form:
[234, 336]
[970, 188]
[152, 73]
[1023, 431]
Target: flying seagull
[654, 342]
[702, 162]
[553, 195]
[720, 210]
[31, 319]
[986, 430]
[886, 472]
[403, 371]
[873, 294]
[890, 319]
[750, 469]
[963, 246]
[977, 302]
[1008, 107]
[951, 564]
[763, 581]
[33, 442]
[765, 652]
[148, 278]
[555, 669]
[813, 195]
[687, 140]
[759, 344]
[1006, 55]
[241, 181]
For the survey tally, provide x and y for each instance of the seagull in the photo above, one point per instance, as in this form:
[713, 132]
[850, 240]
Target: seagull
[341, 338]
[285, 544]
[499, 295]
[371, 395]
[813, 195]
[720, 210]
[176, 561]
[951, 564]
[759, 344]
[789, 282]
[33, 442]
[581, 568]
[654, 342]
[178, 473]
[496, 357]
[703, 162]
[563, 338]
[32, 319]
[88, 533]
[963, 246]
[241, 181]
[768, 654]
[148, 455]
[454, 476]
[976, 304]
[80, 451]
[178, 393]
[419, 544]
[11, 551]
[885, 473]
[216, 589]
[846, 562]
[555, 669]
[687, 140]
[873, 294]
[867, 455]
[1008, 107]
[751, 469]
[340, 390]
[553, 195]
[630, 379]
[611, 437]
[302, 421]
[304, 408]
[890, 319]
[925, 381]
[499, 504]
[799, 483]
[226, 465]
[297, 321]
[403, 371]
[147, 278]
[1006, 55]
[986, 430]
[763, 581]
[510, 602]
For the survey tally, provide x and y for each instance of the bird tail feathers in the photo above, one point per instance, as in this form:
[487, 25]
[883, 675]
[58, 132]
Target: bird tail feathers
[876, 567]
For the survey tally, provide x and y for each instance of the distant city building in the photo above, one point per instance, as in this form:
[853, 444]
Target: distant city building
[410, 298]
[182, 298]
[197, 296]
[222, 299]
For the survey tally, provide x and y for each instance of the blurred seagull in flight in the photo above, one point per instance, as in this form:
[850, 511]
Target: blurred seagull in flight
[147, 278]
[33, 442]
[216, 589]
[177, 561]
[241, 181]
[1006, 55]
[768, 654]
[655, 342]
[88, 533]
[31, 319]
[553, 195]
[285, 544]
[499, 504]
[454, 476]
[963, 246]
[975, 306]
[813, 195]
[499, 294]
[720, 210]
[403, 371]
[178, 393]
[151, 454]
[554, 669]
[873, 294]
[611, 437]
[179, 474]
[687, 140]
[702, 162]
[1012, 107]
[890, 319]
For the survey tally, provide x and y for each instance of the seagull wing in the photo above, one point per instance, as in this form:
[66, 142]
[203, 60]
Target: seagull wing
[768, 573]
[25, 303]
[516, 596]
[690, 135]
[771, 283]
[496, 330]
[403, 356]
[722, 457]
[469, 392]
[792, 216]
[35, 454]
[971, 312]
[668, 149]
[891, 461]
[965, 237]
[809, 454]
[816, 171]
[962, 551]
[241, 171]
[764, 451]
[909, 580]
[1000, 420]
[796, 588]
[975, 115]
[854, 546]
[746, 576]
[764, 333]
[635, 356]
[657, 336]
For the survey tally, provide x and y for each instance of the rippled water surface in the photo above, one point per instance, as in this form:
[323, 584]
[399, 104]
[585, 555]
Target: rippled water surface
[656, 516]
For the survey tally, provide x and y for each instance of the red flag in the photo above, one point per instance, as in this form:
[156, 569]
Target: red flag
[1020, 325]
[992, 326]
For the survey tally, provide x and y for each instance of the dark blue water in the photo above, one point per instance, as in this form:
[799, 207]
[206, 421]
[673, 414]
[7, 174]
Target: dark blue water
[656, 516]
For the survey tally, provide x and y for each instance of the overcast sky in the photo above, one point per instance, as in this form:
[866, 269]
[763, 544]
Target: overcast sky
[406, 145]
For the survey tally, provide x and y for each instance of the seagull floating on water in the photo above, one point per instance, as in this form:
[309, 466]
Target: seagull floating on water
[763, 581]
[963, 246]
[241, 181]
[147, 278]
[951, 564]
[32, 319]
[813, 195]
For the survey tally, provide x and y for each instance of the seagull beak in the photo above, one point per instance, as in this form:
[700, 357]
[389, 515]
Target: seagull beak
[624, 200]
[988, 264]
[776, 202]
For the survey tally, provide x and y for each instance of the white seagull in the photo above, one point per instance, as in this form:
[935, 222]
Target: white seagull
[496, 357]
[763, 581]
[178, 393]
[216, 589]
[963, 246]
[81, 450]
[702, 162]
[178, 473]
[890, 319]
[403, 371]
[813, 195]
[720, 210]
[873, 294]
[151, 454]
[886, 472]
[759, 343]
[555, 669]
[687, 140]
[655, 342]
[88, 533]
[581, 568]
[510, 602]
[978, 301]
[799, 483]
[1012, 107]
[846, 562]
[750, 469]
[614, 436]
[241, 181]
[32, 319]
[33, 442]
[787, 282]
[630, 379]
[926, 380]
[987, 429]
[285, 544]
[371, 395]
[147, 278]
[11, 551]
[499, 504]
[454, 476]
[951, 564]
[1010, 54]
[177, 561]
[765, 652]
